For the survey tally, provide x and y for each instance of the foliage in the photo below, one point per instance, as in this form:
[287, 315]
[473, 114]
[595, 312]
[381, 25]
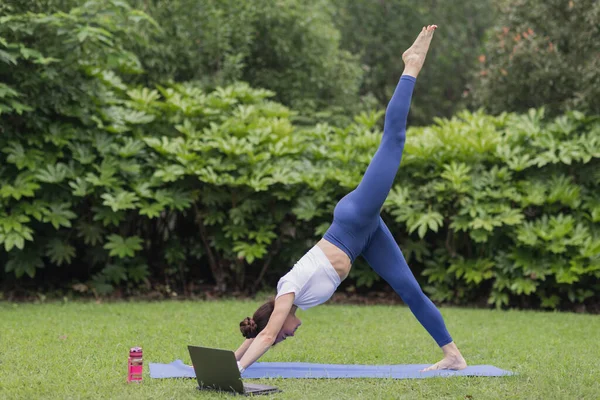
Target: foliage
[62, 156]
[288, 46]
[541, 54]
[107, 184]
[505, 205]
[380, 31]
[132, 181]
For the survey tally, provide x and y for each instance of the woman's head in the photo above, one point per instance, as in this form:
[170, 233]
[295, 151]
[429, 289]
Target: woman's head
[251, 327]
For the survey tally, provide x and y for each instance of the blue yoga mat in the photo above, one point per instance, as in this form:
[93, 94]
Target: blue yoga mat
[178, 369]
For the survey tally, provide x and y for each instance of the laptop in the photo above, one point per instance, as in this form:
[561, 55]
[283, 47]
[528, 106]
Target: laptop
[217, 369]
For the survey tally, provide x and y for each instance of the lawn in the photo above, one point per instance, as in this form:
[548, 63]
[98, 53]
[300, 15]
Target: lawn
[79, 350]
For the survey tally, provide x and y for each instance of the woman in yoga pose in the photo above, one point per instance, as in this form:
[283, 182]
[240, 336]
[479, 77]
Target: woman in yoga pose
[357, 229]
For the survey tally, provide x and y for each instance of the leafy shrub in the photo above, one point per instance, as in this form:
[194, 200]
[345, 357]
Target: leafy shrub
[380, 31]
[107, 185]
[60, 103]
[541, 53]
[504, 205]
[116, 184]
[290, 47]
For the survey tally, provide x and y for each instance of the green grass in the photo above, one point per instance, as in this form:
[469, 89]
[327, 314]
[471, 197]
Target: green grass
[79, 350]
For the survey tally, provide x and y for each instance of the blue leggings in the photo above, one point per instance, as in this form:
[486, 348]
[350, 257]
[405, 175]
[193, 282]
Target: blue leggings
[358, 229]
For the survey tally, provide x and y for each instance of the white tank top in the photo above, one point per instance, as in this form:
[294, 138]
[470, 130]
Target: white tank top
[312, 279]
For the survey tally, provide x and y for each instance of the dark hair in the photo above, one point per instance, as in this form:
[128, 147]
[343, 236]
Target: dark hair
[250, 327]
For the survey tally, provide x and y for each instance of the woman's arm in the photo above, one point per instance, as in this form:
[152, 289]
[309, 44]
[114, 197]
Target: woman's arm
[239, 353]
[267, 336]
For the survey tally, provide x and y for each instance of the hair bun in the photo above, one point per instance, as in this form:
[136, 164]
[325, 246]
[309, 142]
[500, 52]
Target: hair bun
[248, 328]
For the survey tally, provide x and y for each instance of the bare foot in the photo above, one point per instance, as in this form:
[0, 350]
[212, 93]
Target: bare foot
[452, 359]
[414, 57]
[449, 362]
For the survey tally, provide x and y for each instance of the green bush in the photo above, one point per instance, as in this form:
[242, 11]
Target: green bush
[380, 31]
[504, 206]
[107, 185]
[115, 184]
[60, 101]
[288, 46]
[541, 53]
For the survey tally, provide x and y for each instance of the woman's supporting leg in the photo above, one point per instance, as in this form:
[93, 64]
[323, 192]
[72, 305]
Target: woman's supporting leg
[385, 257]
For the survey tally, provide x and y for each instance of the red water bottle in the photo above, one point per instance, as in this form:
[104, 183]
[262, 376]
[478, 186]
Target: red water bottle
[135, 364]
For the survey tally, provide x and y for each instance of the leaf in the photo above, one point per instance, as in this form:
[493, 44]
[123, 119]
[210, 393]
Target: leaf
[214, 218]
[138, 117]
[550, 302]
[457, 174]
[431, 220]
[34, 209]
[24, 262]
[7, 91]
[16, 239]
[479, 235]
[115, 273]
[131, 147]
[249, 251]
[151, 210]
[142, 189]
[523, 286]
[100, 286]
[105, 180]
[92, 234]
[23, 186]
[53, 173]
[59, 251]
[13, 222]
[108, 216]
[166, 145]
[120, 247]
[21, 157]
[59, 214]
[28, 53]
[511, 217]
[486, 223]
[307, 208]
[143, 96]
[527, 235]
[498, 299]
[7, 58]
[81, 188]
[104, 143]
[138, 272]
[122, 201]
[82, 153]
[170, 173]
[175, 198]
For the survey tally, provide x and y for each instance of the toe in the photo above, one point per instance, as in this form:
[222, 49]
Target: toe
[430, 368]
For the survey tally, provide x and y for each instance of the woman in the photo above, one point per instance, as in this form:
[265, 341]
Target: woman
[357, 229]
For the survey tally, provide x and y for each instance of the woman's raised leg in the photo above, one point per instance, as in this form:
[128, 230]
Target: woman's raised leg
[369, 196]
